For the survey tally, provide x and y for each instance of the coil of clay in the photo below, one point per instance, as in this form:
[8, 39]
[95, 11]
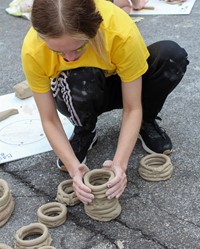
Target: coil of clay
[6, 202]
[39, 229]
[4, 246]
[52, 214]
[101, 208]
[155, 167]
[66, 194]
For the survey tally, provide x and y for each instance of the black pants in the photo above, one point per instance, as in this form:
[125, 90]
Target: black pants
[83, 94]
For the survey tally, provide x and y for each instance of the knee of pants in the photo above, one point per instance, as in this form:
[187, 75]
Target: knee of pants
[81, 87]
[170, 58]
[168, 49]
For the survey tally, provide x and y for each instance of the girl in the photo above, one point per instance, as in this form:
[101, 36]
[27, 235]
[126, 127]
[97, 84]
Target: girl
[86, 57]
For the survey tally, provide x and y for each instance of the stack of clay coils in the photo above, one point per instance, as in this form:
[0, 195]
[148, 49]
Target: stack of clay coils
[66, 194]
[4, 246]
[101, 208]
[155, 167]
[52, 214]
[6, 202]
[44, 238]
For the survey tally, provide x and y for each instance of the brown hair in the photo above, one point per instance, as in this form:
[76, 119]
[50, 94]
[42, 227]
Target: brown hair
[78, 18]
[54, 18]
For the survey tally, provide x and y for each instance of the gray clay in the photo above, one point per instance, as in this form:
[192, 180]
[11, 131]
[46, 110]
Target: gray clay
[43, 239]
[155, 167]
[22, 90]
[52, 214]
[66, 194]
[4, 246]
[7, 113]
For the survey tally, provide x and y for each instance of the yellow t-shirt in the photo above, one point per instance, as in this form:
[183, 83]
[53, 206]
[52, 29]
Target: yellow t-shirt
[126, 52]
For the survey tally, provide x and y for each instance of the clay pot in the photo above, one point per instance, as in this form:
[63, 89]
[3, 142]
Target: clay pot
[66, 194]
[155, 167]
[6, 202]
[101, 208]
[52, 214]
[43, 239]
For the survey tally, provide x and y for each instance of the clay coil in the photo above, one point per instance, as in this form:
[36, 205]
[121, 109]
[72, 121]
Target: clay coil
[6, 213]
[3, 205]
[66, 194]
[52, 214]
[155, 167]
[4, 192]
[4, 246]
[101, 208]
[44, 238]
[6, 202]
[7, 113]
[97, 179]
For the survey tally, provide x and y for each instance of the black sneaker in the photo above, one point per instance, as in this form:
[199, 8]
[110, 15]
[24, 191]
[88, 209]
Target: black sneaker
[81, 143]
[154, 138]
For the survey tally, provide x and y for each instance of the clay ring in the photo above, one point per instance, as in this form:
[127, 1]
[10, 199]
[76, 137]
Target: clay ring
[155, 167]
[6, 202]
[52, 214]
[66, 194]
[44, 238]
[97, 179]
[4, 192]
[4, 246]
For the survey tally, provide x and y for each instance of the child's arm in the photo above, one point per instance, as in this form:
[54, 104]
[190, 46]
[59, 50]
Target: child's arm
[123, 4]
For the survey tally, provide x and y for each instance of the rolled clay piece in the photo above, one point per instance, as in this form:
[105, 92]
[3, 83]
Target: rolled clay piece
[7, 113]
[4, 246]
[22, 90]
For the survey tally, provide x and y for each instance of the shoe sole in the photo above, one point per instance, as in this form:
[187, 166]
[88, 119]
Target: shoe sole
[63, 168]
[166, 152]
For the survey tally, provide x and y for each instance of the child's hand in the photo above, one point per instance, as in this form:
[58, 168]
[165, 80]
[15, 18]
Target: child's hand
[117, 185]
[82, 191]
[138, 4]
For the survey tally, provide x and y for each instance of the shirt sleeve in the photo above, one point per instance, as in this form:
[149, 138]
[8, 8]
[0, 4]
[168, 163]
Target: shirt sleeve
[36, 79]
[130, 56]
